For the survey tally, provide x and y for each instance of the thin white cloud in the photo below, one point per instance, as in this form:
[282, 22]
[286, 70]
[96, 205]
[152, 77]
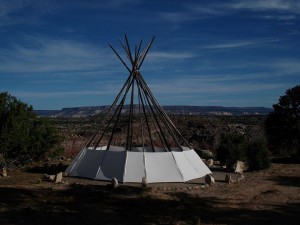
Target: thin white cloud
[22, 11]
[237, 44]
[287, 66]
[103, 4]
[29, 11]
[60, 94]
[279, 17]
[197, 87]
[285, 10]
[7, 9]
[207, 10]
[241, 43]
[292, 6]
[159, 55]
[43, 54]
[191, 12]
[269, 77]
[176, 16]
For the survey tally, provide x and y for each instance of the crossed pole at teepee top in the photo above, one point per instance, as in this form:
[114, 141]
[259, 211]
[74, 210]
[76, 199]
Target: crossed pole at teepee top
[138, 58]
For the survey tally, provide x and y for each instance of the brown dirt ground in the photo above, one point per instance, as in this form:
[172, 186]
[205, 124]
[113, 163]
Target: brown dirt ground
[265, 197]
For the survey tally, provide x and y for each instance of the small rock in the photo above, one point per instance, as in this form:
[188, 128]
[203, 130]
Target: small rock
[51, 177]
[58, 178]
[239, 167]
[240, 178]
[3, 172]
[144, 182]
[207, 153]
[114, 182]
[210, 163]
[198, 221]
[2, 161]
[228, 178]
[209, 179]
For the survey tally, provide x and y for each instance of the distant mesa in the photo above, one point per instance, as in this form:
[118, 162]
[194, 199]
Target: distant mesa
[89, 111]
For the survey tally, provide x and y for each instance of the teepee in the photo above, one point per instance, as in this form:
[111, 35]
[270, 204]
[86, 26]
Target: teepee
[136, 139]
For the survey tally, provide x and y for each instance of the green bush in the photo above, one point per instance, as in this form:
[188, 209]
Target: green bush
[233, 147]
[24, 138]
[258, 154]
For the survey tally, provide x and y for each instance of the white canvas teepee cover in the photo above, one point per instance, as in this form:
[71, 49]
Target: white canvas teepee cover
[132, 166]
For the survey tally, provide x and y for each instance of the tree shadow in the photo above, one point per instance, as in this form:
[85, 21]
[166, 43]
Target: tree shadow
[287, 181]
[285, 160]
[217, 211]
[93, 204]
[48, 168]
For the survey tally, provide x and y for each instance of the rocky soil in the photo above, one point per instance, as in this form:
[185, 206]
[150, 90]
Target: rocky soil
[269, 196]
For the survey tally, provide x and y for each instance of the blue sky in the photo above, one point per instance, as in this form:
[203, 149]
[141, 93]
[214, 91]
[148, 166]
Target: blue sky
[55, 53]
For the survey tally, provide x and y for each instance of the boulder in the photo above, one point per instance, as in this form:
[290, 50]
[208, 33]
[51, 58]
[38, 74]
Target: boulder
[239, 167]
[58, 178]
[144, 182]
[209, 179]
[114, 182]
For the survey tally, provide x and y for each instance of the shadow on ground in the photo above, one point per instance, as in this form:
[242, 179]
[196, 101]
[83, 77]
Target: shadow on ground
[92, 204]
[286, 160]
[287, 181]
[48, 168]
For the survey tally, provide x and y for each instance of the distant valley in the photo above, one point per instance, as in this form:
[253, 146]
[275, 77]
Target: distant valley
[88, 111]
